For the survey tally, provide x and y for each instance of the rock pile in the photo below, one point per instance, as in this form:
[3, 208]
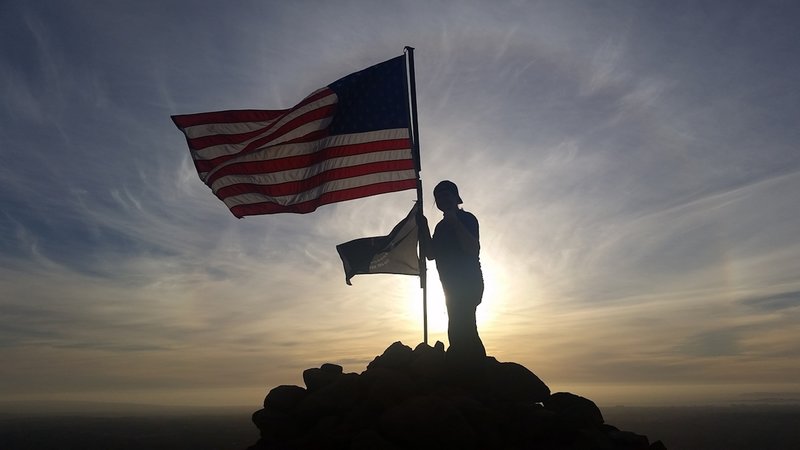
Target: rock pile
[421, 399]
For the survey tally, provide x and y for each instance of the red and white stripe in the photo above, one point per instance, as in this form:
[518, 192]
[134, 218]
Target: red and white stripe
[265, 162]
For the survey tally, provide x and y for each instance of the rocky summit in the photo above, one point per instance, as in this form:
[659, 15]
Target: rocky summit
[426, 399]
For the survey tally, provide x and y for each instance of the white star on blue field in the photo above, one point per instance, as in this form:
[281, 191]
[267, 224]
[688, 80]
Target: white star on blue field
[634, 167]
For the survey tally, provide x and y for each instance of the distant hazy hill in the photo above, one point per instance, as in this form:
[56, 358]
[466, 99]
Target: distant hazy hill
[108, 409]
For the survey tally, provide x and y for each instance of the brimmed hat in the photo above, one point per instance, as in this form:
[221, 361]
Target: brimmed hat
[447, 185]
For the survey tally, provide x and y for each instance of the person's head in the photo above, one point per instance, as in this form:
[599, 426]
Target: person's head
[446, 195]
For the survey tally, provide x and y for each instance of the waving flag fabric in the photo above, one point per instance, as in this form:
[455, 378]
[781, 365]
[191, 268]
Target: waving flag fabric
[347, 140]
[394, 253]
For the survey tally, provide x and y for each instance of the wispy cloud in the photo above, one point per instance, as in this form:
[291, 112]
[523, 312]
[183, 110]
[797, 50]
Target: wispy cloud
[775, 302]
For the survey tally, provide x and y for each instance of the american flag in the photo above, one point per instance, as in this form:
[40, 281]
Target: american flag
[348, 140]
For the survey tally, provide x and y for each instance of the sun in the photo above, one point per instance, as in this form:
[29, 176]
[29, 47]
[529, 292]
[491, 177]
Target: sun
[437, 310]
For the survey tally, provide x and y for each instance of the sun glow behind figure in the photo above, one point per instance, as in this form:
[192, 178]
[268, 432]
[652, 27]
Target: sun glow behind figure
[487, 313]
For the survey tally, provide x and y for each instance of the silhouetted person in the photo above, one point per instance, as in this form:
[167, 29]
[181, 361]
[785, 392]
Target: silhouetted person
[456, 248]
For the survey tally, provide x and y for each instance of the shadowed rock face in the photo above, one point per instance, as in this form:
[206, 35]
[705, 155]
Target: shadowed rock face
[423, 399]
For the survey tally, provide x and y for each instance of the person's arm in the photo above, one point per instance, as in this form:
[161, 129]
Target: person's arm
[425, 241]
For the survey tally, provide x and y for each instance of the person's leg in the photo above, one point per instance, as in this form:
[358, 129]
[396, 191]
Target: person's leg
[456, 331]
[471, 335]
[462, 329]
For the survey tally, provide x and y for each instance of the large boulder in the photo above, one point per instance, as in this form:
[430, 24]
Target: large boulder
[318, 378]
[334, 398]
[576, 408]
[395, 356]
[284, 398]
[512, 381]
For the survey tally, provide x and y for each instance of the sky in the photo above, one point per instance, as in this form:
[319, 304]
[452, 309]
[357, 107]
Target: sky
[634, 167]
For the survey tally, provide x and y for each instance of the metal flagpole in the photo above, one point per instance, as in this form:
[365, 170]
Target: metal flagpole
[423, 268]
